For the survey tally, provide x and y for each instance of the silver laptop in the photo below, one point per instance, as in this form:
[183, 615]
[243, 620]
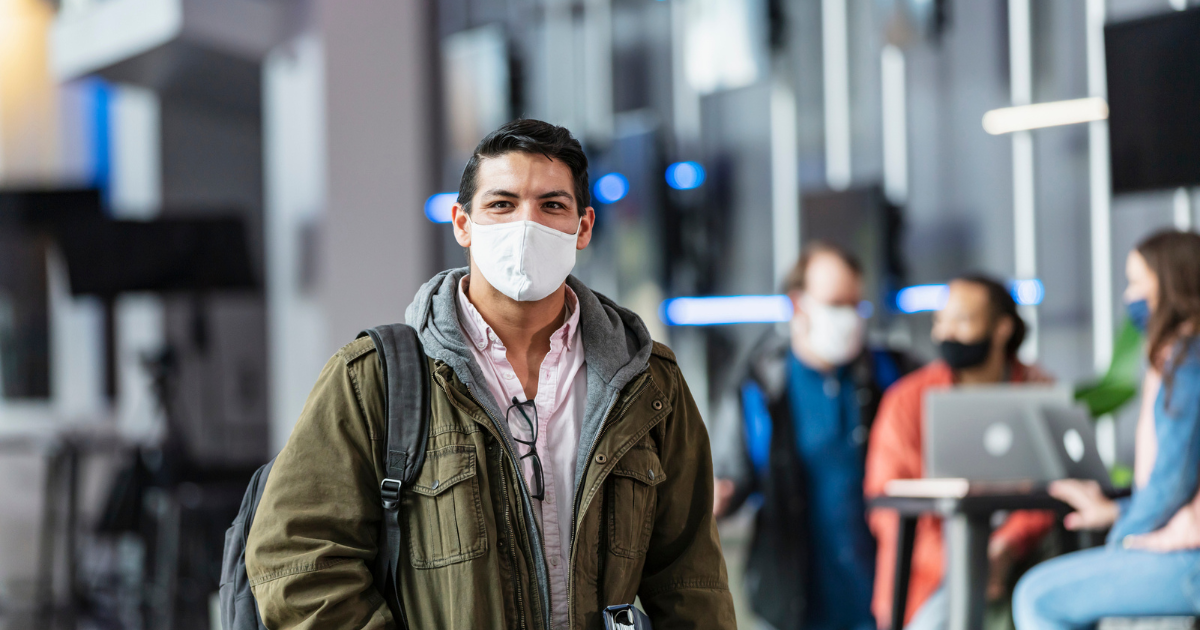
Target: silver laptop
[1006, 433]
[1070, 444]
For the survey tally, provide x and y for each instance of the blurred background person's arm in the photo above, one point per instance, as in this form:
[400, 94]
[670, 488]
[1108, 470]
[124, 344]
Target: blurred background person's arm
[733, 468]
[893, 452]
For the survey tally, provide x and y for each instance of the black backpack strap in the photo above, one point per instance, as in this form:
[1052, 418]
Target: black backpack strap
[406, 382]
[406, 387]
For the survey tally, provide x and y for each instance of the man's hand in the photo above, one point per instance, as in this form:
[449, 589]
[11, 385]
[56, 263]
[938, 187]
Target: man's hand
[1180, 533]
[1093, 510]
[722, 495]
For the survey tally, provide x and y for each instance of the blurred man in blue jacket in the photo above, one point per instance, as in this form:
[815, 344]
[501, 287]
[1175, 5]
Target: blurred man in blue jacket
[795, 432]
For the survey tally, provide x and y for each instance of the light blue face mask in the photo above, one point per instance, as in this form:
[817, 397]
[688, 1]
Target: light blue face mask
[1139, 314]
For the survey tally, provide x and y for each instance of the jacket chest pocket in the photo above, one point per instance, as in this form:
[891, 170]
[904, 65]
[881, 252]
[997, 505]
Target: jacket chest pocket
[443, 512]
[633, 498]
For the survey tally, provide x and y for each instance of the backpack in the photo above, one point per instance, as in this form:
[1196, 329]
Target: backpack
[406, 390]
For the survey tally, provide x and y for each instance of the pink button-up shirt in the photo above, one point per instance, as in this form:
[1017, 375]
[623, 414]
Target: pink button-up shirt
[560, 401]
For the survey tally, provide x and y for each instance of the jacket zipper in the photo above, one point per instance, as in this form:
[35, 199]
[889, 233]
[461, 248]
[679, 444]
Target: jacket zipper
[578, 495]
[512, 552]
[507, 504]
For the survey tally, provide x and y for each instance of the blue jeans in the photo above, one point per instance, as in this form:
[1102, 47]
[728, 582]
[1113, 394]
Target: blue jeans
[934, 614]
[1078, 589]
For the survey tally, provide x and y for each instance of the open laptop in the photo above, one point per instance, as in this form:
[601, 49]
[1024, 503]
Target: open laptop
[1072, 440]
[1008, 433]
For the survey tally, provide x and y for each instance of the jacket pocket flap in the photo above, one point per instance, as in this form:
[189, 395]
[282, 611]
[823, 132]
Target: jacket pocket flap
[444, 468]
[641, 464]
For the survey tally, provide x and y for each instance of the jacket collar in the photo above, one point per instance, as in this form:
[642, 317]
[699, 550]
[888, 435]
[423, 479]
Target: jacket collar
[616, 343]
[767, 364]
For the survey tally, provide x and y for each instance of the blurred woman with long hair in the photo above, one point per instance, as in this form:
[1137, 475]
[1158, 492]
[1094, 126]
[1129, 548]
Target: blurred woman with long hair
[1150, 565]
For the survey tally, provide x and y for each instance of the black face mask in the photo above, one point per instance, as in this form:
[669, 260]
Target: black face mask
[960, 356]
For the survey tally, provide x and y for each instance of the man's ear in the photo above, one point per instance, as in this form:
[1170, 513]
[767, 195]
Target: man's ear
[1003, 331]
[797, 298]
[461, 223]
[586, 222]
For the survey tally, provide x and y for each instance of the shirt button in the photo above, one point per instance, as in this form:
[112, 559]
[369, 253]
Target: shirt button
[549, 498]
[553, 561]
[509, 375]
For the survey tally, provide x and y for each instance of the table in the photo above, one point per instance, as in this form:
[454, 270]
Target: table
[60, 444]
[968, 523]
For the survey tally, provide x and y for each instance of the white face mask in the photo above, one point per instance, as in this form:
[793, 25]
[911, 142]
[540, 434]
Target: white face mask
[524, 260]
[834, 333]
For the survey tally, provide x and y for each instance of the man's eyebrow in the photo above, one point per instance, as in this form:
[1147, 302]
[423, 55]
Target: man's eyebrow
[553, 194]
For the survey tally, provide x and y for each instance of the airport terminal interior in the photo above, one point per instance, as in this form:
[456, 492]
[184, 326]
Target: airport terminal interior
[201, 201]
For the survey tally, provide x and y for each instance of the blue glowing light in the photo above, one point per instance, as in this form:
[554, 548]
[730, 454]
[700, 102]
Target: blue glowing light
[923, 297]
[438, 207]
[685, 175]
[932, 297]
[611, 188]
[102, 123]
[733, 309]
[1028, 292]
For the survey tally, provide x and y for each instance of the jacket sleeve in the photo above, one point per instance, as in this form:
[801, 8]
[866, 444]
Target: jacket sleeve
[894, 452]
[314, 535]
[1175, 473]
[684, 582]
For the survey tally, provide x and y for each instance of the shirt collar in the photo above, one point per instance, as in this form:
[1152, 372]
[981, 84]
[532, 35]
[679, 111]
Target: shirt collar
[471, 321]
[480, 333]
[571, 323]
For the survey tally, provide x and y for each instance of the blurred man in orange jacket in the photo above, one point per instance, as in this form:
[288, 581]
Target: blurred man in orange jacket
[978, 333]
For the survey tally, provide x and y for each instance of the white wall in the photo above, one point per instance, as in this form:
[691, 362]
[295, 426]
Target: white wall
[378, 87]
[348, 167]
[294, 152]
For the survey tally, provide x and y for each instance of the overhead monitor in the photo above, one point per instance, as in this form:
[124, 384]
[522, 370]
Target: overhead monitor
[172, 255]
[1154, 100]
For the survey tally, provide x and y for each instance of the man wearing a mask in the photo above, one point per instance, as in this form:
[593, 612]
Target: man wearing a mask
[794, 431]
[567, 466]
[978, 333]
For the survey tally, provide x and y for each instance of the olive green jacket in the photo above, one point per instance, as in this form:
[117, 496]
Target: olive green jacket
[643, 524]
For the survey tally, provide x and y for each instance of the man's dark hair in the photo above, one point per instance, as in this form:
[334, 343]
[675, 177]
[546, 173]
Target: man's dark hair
[1001, 301]
[535, 137]
[796, 278]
